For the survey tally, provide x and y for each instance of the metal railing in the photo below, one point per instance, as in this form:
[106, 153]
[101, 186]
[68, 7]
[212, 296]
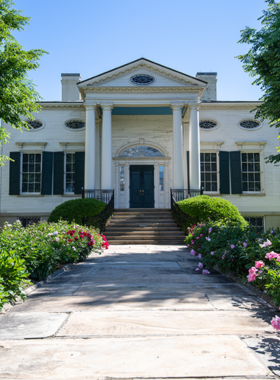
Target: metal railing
[181, 194]
[100, 220]
[182, 219]
[101, 195]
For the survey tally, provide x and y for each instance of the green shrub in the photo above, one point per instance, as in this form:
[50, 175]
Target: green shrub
[74, 210]
[203, 207]
[13, 276]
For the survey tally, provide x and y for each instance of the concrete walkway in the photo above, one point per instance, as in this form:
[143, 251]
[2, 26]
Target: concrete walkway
[139, 312]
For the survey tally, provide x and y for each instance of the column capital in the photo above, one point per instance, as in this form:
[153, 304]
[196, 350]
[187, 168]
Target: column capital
[177, 106]
[90, 105]
[107, 106]
[194, 106]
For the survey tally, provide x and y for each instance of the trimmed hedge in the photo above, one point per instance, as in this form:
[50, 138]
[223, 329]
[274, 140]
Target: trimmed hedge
[74, 210]
[203, 207]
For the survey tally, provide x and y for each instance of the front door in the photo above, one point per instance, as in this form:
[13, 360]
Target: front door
[142, 186]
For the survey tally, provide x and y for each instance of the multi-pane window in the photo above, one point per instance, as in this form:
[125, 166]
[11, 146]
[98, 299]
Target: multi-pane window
[31, 173]
[208, 167]
[251, 172]
[121, 178]
[255, 221]
[70, 173]
[161, 178]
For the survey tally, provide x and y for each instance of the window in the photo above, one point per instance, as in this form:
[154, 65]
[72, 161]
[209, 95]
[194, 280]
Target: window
[255, 221]
[249, 124]
[161, 178]
[251, 172]
[208, 165]
[208, 124]
[141, 151]
[34, 124]
[122, 178]
[70, 173]
[75, 124]
[28, 220]
[31, 173]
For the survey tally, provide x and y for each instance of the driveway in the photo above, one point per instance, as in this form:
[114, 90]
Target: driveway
[139, 312]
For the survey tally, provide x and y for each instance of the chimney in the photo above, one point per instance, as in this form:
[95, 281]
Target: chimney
[210, 92]
[70, 91]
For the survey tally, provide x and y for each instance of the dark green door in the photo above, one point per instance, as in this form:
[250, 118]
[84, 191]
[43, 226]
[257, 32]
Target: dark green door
[142, 186]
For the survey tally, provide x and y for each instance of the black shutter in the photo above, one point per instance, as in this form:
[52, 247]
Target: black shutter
[47, 173]
[224, 172]
[188, 169]
[58, 173]
[79, 172]
[14, 188]
[235, 171]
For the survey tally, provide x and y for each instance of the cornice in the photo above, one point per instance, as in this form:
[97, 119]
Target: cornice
[144, 89]
[61, 105]
[209, 106]
[122, 70]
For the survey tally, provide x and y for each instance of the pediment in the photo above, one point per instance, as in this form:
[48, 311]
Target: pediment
[121, 77]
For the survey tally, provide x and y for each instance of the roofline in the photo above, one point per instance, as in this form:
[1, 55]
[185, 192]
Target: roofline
[140, 59]
[229, 101]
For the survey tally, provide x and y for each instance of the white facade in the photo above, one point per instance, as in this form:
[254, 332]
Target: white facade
[164, 115]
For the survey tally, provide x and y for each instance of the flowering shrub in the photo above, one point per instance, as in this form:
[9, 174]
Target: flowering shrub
[38, 250]
[239, 249]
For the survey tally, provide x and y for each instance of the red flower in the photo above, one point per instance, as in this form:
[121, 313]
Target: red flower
[70, 240]
[90, 243]
[76, 238]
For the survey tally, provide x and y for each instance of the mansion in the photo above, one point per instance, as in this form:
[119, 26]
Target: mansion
[141, 129]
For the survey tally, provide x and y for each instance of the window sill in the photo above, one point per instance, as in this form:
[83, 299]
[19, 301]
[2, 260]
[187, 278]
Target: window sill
[71, 195]
[252, 194]
[30, 195]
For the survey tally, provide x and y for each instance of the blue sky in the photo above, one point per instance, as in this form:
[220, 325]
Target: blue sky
[93, 36]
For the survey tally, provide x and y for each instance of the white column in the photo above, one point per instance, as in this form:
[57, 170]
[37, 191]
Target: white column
[106, 157]
[166, 183]
[117, 185]
[90, 148]
[156, 171]
[126, 186]
[185, 149]
[194, 143]
[178, 179]
[97, 155]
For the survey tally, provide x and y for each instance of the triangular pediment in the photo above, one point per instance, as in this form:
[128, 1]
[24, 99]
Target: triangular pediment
[122, 77]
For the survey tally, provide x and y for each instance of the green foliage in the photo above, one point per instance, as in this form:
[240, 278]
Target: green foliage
[13, 276]
[235, 248]
[76, 209]
[17, 94]
[263, 62]
[203, 207]
[38, 250]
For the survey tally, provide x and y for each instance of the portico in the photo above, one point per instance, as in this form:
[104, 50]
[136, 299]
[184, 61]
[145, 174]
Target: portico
[172, 98]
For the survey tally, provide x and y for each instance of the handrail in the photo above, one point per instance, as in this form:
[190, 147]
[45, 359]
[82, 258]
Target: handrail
[100, 220]
[103, 195]
[182, 219]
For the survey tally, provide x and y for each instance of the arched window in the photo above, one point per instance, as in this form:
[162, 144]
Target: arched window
[141, 151]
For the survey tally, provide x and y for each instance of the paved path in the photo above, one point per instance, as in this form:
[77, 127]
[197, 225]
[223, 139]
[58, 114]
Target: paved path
[139, 312]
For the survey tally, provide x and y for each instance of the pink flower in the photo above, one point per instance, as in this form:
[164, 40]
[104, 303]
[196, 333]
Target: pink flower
[193, 253]
[205, 271]
[199, 256]
[212, 253]
[57, 239]
[192, 242]
[253, 270]
[232, 259]
[188, 246]
[272, 255]
[209, 231]
[232, 246]
[276, 323]
[197, 238]
[245, 245]
[201, 235]
[272, 232]
[251, 277]
[266, 244]
[70, 240]
[208, 239]
[197, 269]
[259, 264]
[200, 265]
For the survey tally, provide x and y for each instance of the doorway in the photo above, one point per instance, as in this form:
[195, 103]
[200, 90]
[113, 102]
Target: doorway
[142, 186]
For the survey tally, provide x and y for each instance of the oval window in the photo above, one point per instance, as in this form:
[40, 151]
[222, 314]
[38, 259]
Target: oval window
[249, 124]
[208, 124]
[75, 124]
[34, 124]
[142, 79]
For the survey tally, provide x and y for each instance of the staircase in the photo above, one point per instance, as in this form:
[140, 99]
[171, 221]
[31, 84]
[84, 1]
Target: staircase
[143, 226]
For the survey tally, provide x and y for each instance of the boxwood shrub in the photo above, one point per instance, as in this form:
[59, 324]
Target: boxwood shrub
[76, 209]
[203, 207]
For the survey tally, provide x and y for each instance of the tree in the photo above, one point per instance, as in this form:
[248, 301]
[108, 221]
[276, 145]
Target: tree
[263, 62]
[18, 96]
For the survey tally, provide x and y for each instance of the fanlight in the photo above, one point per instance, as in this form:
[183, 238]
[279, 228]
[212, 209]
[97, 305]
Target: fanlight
[141, 151]
[249, 124]
[75, 124]
[208, 124]
[35, 124]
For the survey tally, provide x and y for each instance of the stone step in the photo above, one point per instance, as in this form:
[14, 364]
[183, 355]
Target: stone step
[143, 233]
[141, 220]
[133, 210]
[139, 224]
[118, 228]
[145, 237]
[152, 241]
